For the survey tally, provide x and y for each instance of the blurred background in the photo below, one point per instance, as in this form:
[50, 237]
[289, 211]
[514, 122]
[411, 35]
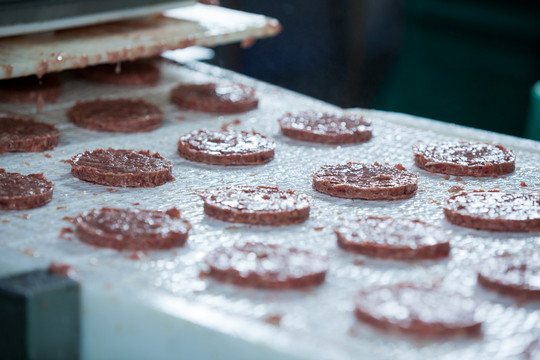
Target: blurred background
[470, 62]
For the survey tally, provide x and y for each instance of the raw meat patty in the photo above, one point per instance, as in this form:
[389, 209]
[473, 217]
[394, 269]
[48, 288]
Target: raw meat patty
[123, 168]
[22, 134]
[258, 205]
[426, 311]
[368, 182]
[132, 229]
[516, 276]
[390, 238]
[494, 211]
[21, 192]
[30, 89]
[326, 128]
[129, 73]
[464, 158]
[118, 115]
[226, 147]
[266, 266]
[225, 98]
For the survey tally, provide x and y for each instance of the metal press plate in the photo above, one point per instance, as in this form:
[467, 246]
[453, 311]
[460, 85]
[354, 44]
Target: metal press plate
[316, 324]
[31, 16]
[202, 25]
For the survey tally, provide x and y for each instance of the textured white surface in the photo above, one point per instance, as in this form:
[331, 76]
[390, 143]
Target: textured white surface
[318, 323]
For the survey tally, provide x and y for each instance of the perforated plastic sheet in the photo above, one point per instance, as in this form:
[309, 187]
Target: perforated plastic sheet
[318, 323]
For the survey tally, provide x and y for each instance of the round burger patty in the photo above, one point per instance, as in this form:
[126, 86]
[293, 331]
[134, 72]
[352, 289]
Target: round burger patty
[225, 98]
[426, 311]
[266, 266]
[512, 275]
[118, 115]
[21, 192]
[132, 229]
[368, 182]
[226, 147]
[464, 158]
[326, 128]
[128, 73]
[23, 134]
[389, 238]
[494, 211]
[123, 168]
[30, 89]
[257, 205]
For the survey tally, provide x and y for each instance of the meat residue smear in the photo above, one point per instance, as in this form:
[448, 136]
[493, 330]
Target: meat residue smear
[137, 255]
[136, 204]
[455, 189]
[60, 207]
[30, 252]
[112, 190]
[210, 2]
[173, 212]
[446, 177]
[358, 262]
[47, 155]
[225, 126]
[64, 270]
[180, 117]
[319, 228]
[274, 319]
[458, 178]
[247, 43]
[523, 184]
[64, 232]
[23, 216]
[40, 102]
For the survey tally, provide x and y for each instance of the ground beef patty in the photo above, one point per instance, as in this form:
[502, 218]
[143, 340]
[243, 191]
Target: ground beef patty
[30, 89]
[123, 168]
[118, 115]
[512, 275]
[494, 211]
[132, 229]
[389, 238]
[226, 147]
[464, 158]
[22, 134]
[368, 182]
[129, 73]
[257, 205]
[225, 98]
[326, 128]
[266, 266]
[421, 310]
[20, 192]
